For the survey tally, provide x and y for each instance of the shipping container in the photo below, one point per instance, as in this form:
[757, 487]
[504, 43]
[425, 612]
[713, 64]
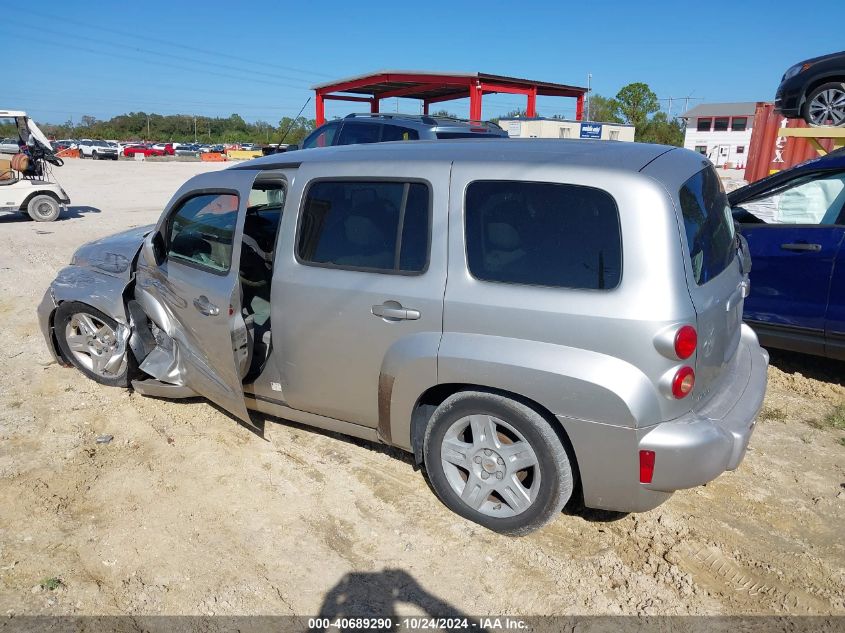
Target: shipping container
[769, 153]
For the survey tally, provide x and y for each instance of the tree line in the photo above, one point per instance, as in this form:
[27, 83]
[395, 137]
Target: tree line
[182, 128]
[635, 104]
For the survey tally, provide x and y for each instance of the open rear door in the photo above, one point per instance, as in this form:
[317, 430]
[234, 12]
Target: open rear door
[193, 294]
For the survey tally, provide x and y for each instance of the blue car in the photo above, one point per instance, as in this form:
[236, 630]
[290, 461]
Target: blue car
[794, 223]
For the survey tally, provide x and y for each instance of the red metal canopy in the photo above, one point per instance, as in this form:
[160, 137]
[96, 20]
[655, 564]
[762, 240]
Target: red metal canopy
[434, 87]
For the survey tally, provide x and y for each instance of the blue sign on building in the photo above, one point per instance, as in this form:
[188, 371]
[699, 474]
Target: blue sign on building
[591, 130]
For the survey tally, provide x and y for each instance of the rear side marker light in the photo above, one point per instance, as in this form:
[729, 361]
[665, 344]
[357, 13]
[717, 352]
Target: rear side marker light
[686, 340]
[683, 382]
[646, 466]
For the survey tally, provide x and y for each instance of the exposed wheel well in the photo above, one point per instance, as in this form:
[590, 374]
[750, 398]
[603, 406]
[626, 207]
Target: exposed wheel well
[435, 396]
[43, 192]
[54, 342]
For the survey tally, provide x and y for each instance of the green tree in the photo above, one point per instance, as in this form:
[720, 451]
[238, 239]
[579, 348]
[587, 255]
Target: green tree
[661, 130]
[636, 102]
[603, 109]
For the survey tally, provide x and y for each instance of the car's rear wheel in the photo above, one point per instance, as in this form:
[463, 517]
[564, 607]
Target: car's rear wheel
[43, 208]
[497, 462]
[825, 105]
[92, 342]
[95, 155]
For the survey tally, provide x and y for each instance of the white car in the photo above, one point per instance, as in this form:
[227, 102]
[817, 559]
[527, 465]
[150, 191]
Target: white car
[97, 150]
[8, 146]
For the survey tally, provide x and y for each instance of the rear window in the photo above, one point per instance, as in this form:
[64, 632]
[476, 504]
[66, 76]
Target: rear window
[708, 225]
[543, 234]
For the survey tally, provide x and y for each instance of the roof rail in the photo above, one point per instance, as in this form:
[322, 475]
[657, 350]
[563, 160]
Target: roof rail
[425, 118]
[389, 115]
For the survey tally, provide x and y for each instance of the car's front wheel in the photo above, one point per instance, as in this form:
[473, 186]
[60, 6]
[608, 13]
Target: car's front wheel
[497, 462]
[91, 341]
[825, 105]
[43, 208]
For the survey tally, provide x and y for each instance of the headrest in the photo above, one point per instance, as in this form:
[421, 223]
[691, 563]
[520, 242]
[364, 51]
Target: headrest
[503, 236]
[362, 231]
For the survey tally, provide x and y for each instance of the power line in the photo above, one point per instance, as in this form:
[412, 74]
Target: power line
[178, 45]
[65, 45]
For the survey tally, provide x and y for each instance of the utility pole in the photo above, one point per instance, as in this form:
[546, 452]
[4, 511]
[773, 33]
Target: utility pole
[195, 129]
[148, 127]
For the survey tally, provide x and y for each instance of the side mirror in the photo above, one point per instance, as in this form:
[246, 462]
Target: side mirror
[154, 251]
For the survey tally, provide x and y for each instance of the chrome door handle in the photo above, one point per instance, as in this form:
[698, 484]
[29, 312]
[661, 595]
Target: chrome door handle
[395, 311]
[204, 306]
[814, 248]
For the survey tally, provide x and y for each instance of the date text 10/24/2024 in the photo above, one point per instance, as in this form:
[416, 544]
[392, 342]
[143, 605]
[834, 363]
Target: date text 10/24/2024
[490, 624]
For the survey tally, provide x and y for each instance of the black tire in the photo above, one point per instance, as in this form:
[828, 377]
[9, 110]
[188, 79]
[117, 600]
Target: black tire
[95, 155]
[556, 476]
[836, 88]
[43, 208]
[64, 313]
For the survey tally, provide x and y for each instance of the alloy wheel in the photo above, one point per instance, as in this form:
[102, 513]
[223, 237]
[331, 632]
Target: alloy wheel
[95, 345]
[490, 465]
[828, 107]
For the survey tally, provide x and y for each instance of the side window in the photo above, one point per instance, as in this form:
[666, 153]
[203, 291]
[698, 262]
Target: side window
[543, 234]
[379, 226]
[813, 199]
[708, 225]
[322, 137]
[398, 133]
[353, 133]
[201, 231]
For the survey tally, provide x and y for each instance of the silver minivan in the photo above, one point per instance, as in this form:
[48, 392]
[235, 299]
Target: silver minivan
[534, 320]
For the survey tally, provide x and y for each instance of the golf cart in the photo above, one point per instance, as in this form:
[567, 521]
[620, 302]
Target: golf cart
[25, 176]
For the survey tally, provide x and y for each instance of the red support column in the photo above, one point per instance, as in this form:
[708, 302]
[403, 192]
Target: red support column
[531, 110]
[579, 108]
[374, 104]
[475, 102]
[321, 110]
[425, 107]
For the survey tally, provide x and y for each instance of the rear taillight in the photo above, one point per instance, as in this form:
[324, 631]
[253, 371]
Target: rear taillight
[683, 382]
[686, 340]
[646, 466]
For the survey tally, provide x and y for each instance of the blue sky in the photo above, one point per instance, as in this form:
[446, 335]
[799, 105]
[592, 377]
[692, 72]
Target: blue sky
[106, 58]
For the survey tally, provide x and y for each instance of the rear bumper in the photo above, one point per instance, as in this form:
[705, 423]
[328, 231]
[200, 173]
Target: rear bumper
[698, 447]
[689, 451]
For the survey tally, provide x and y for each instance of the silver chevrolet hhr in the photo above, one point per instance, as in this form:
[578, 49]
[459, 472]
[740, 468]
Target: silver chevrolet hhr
[531, 319]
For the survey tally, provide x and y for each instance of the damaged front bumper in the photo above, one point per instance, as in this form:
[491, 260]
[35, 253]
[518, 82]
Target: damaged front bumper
[45, 324]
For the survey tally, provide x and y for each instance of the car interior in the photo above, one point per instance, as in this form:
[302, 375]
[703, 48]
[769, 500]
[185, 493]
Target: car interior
[261, 226]
[812, 199]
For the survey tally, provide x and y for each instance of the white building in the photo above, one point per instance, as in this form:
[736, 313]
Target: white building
[720, 131]
[563, 128]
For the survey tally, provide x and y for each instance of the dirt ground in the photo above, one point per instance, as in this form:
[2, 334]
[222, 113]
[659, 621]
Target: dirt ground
[187, 512]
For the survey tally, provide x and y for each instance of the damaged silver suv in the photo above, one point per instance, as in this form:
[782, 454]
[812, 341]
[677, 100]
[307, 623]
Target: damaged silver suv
[533, 320]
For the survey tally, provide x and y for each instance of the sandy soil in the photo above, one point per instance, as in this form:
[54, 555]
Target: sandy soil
[187, 512]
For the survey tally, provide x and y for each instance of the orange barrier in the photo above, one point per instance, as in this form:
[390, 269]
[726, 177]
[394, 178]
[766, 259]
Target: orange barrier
[68, 153]
[213, 157]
